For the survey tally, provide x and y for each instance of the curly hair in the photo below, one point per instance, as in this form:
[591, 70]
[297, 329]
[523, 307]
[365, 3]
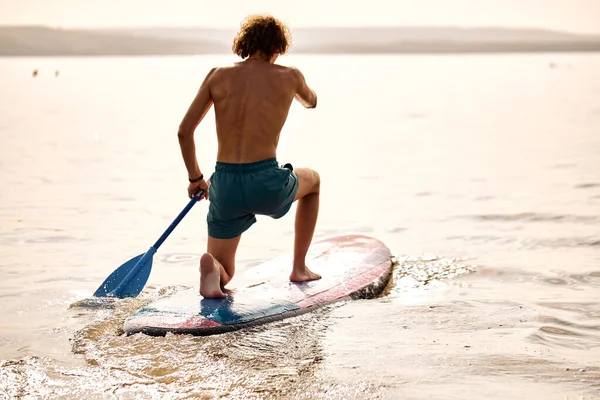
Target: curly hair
[261, 33]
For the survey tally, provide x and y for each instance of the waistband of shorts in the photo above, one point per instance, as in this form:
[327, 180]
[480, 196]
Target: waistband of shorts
[246, 167]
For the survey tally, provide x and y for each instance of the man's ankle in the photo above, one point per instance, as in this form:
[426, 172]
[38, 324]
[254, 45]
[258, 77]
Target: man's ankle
[299, 266]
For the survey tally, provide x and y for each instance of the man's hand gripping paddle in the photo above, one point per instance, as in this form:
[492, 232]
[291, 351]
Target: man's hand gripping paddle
[130, 278]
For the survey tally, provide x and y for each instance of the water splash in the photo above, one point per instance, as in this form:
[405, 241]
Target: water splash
[412, 272]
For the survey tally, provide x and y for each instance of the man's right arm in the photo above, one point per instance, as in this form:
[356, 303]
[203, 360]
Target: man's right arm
[305, 95]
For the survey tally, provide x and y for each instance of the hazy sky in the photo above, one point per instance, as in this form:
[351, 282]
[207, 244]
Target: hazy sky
[570, 15]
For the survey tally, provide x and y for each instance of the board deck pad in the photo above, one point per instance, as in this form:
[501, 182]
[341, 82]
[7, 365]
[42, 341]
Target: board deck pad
[351, 265]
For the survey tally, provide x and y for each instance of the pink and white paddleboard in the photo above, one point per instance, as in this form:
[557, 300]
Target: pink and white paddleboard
[351, 266]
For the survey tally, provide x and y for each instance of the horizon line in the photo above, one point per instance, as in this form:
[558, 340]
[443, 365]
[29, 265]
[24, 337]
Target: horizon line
[303, 26]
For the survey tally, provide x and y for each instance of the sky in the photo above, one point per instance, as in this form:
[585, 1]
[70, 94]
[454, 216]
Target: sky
[582, 16]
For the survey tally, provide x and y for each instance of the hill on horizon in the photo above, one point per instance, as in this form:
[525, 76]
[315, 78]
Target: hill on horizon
[45, 41]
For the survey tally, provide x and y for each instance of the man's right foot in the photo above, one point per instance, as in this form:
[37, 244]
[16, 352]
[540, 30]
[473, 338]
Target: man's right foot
[303, 275]
[210, 277]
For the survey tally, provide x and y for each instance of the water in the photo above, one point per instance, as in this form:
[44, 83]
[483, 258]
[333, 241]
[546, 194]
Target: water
[481, 173]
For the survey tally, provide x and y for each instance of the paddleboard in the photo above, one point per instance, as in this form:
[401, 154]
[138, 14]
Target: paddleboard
[351, 266]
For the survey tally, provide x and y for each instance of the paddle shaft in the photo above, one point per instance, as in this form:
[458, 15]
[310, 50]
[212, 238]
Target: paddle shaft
[177, 220]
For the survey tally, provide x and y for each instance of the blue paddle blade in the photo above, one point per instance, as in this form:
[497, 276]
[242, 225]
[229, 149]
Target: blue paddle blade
[129, 279]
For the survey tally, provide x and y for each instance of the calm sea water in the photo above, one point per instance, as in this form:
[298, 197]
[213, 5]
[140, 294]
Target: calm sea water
[481, 173]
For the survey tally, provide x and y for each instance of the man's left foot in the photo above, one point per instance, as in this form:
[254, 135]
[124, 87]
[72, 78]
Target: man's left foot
[210, 277]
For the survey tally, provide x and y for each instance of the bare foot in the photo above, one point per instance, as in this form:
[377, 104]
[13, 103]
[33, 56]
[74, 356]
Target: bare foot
[210, 277]
[303, 275]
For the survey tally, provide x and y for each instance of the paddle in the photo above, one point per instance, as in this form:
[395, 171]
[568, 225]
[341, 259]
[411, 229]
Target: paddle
[129, 279]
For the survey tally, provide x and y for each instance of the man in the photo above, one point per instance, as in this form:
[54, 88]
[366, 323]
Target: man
[252, 99]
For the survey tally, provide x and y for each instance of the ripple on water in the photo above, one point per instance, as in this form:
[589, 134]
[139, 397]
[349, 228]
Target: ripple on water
[554, 336]
[588, 185]
[582, 310]
[537, 217]
[17, 240]
[562, 332]
[54, 239]
[531, 243]
[179, 258]
[564, 279]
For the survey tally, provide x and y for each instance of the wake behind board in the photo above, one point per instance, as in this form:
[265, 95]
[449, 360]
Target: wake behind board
[351, 265]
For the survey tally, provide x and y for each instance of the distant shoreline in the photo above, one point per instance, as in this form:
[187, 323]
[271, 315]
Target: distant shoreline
[308, 53]
[33, 41]
[332, 52]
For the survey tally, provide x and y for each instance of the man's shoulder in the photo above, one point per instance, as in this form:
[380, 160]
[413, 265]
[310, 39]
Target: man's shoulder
[218, 73]
[221, 69]
[217, 70]
[288, 68]
[291, 72]
[296, 71]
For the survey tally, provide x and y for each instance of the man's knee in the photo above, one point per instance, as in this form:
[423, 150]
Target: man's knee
[310, 182]
[315, 181]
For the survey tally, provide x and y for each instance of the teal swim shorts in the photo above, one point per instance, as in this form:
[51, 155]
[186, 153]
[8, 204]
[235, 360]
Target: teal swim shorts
[239, 192]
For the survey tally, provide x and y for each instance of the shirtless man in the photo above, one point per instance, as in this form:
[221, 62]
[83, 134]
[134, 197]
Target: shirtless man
[252, 99]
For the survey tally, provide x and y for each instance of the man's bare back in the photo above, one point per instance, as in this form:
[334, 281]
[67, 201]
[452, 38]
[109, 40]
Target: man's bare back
[252, 99]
